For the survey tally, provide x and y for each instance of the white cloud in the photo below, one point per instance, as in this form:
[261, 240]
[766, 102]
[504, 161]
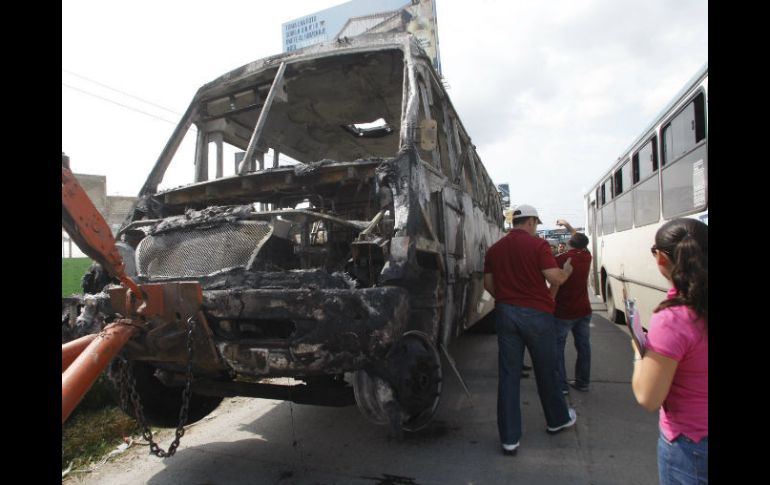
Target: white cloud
[550, 92]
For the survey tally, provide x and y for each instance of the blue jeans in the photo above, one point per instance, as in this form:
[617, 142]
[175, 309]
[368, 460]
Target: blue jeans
[518, 327]
[581, 333]
[683, 461]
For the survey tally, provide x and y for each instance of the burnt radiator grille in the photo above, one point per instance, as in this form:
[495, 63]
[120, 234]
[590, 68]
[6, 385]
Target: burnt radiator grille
[198, 252]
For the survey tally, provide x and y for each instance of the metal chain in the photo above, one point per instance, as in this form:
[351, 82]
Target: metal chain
[127, 384]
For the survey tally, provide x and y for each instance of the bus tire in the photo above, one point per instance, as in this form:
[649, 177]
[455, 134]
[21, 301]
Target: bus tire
[613, 314]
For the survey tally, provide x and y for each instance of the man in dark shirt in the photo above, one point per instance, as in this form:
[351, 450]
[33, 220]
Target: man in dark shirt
[573, 310]
[515, 271]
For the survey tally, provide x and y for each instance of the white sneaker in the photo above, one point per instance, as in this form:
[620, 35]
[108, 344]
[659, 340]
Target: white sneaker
[571, 422]
[510, 449]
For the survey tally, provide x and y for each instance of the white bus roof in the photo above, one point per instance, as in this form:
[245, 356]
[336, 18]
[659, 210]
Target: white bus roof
[694, 81]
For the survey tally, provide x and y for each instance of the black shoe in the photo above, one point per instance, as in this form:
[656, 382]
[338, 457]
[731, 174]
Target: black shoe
[526, 367]
[579, 387]
[524, 375]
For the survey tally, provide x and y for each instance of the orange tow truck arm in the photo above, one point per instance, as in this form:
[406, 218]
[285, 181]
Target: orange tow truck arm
[90, 231]
[84, 359]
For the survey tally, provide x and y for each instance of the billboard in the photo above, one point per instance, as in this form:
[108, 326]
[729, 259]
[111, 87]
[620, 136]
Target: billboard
[356, 17]
[326, 24]
[505, 195]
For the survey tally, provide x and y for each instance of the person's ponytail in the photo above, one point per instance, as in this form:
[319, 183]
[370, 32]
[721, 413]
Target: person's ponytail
[685, 241]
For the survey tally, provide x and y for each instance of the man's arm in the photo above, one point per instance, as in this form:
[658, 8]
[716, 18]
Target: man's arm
[562, 222]
[557, 276]
[554, 290]
[489, 284]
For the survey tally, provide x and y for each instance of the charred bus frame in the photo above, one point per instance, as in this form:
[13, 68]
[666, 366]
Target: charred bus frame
[350, 271]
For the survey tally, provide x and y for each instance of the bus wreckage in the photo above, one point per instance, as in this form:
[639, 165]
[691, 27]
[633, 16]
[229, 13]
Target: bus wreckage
[349, 271]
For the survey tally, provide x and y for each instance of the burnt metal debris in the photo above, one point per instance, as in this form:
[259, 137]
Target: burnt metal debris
[346, 271]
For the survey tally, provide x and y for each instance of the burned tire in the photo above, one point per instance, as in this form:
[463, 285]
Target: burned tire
[161, 403]
[415, 388]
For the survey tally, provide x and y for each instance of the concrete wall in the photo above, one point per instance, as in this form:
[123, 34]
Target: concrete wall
[96, 188]
[118, 208]
[114, 209]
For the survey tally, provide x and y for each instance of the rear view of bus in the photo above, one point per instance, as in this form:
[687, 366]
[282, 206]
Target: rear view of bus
[662, 176]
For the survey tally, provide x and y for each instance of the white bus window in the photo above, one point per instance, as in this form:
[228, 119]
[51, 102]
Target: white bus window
[647, 202]
[624, 208]
[608, 219]
[622, 179]
[645, 161]
[624, 212]
[606, 190]
[683, 177]
[684, 185]
[608, 208]
[682, 133]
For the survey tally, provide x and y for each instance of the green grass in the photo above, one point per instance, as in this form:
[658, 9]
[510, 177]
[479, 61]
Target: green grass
[95, 428]
[97, 425]
[72, 271]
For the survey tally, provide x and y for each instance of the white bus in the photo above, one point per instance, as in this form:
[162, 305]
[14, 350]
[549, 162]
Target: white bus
[663, 175]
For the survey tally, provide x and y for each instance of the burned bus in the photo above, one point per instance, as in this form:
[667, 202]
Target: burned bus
[340, 256]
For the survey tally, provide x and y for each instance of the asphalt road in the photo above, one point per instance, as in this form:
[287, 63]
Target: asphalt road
[256, 441]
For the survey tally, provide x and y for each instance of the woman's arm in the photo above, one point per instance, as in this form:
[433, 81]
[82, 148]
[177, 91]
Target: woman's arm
[652, 378]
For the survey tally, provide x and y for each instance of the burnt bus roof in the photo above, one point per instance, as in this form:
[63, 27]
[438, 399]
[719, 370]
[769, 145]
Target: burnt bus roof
[262, 72]
[346, 45]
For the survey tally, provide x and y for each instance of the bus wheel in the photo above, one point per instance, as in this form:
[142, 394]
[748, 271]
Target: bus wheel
[411, 398]
[613, 314]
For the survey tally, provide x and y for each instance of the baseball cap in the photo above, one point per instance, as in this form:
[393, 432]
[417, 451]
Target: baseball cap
[525, 210]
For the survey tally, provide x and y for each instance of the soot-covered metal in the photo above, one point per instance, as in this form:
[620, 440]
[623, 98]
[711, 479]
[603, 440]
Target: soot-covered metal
[347, 269]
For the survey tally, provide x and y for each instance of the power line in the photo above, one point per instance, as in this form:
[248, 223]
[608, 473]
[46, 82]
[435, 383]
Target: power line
[280, 158]
[121, 92]
[119, 104]
[283, 159]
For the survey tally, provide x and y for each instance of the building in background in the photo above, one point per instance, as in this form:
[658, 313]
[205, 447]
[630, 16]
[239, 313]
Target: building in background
[114, 209]
[357, 17]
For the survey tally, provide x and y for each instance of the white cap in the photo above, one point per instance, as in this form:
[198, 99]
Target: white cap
[525, 210]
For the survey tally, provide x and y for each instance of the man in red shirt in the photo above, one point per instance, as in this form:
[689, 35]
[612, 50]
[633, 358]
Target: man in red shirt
[573, 310]
[515, 271]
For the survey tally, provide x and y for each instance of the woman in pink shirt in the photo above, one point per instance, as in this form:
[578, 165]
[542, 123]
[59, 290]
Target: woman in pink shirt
[673, 374]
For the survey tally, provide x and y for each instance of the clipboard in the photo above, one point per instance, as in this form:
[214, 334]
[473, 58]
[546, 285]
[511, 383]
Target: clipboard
[634, 323]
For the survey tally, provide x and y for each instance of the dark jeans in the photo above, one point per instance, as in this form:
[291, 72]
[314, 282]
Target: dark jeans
[683, 461]
[518, 327]
[581, 333]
